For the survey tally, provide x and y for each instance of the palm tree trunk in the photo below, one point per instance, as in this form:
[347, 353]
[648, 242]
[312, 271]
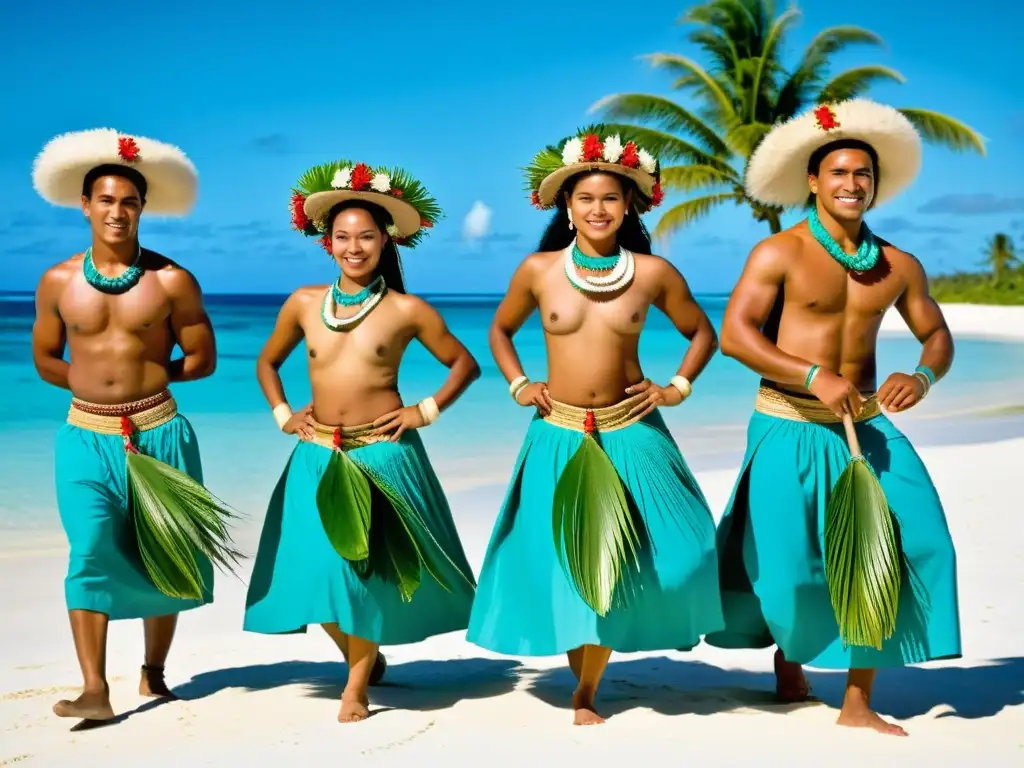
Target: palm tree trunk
[775, 223]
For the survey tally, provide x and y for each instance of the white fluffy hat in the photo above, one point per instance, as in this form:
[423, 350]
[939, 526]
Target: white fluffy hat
[60, 169]
[777, 171]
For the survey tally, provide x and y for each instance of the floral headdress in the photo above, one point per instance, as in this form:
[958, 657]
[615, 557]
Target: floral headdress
[599, 149]
[323, 186]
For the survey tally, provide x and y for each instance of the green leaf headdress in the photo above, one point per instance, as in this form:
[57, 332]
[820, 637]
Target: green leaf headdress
[323, 186]
[594, 148]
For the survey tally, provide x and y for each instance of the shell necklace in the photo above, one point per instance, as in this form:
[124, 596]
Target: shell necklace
[374, 292]
[618, 278]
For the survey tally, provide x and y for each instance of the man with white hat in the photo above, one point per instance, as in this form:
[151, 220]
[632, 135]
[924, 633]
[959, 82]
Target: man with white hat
[805, 315]
[142, 528]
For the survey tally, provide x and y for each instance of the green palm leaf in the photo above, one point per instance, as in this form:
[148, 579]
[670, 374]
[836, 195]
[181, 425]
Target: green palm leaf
[689, 178]
[343, 500]
[720, 101]
[855, 82]
[670, 116]
[862, 565]
[593, 526]
[175, 517]
[945, 130]
[679, 216]
[376, 530]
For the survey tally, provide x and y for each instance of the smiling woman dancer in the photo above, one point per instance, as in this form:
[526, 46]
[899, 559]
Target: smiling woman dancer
[358, 536]
[632, 564]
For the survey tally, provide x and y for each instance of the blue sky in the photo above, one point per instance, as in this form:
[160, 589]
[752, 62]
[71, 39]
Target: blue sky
[256, 92]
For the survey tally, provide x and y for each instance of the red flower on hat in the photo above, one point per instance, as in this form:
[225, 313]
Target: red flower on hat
[657, 195]
[127, 149]
[325, 241]
[395, 192]
[826, 118]
[426, 223]
[535, 199]
[630, 158]
[299, 219]
[592, 148]
[361, 177]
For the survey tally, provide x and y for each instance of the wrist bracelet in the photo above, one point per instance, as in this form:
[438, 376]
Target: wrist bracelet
[925, 382]
[927, 373]
[518, 385]
[682, 384]
[282, 412]
[810, 375]
[428, 410]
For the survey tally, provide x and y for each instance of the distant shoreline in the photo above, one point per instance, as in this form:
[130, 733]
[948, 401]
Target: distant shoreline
[982, 321]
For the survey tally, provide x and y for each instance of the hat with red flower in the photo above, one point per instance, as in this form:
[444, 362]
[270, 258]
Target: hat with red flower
[60, 169]
[594, 149]
[323, 186]
[777, 171]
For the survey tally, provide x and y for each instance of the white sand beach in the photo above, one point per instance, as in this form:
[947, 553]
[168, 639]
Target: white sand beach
[971, 320]
[247, 697]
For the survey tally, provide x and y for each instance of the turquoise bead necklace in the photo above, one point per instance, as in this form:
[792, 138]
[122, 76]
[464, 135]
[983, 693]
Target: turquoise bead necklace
[123, 282]
[867, 252]
[594, 263]
[352, 299]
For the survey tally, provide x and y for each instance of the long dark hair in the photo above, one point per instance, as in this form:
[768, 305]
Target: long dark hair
[389, 267]
[632, 235]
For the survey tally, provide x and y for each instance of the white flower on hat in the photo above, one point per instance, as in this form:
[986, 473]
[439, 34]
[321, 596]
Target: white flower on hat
[612, 149]
[392, 230]
[646, 160]
[381, 183]
[342, 179]
[572, 152]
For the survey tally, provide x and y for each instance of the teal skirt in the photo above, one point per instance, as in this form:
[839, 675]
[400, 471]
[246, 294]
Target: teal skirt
[525, 603]
[105, 571]
[771, 540]
[299, 578]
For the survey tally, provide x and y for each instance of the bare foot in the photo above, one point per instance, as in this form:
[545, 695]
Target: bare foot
[862, 717]
[152, 684]
[790, 684]
[586, 714]
[353, 708]
[91, 705]
[380, 666]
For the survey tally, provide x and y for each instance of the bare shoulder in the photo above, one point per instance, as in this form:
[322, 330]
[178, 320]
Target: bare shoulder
[412, 307]
[776, 253]
[176, 279]
[902, 262]
[60, 273]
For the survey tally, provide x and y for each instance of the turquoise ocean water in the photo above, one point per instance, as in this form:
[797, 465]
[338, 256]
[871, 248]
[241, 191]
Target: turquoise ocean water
[475, 442]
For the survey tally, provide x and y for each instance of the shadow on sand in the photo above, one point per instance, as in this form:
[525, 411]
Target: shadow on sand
[415, 685]
[692, 687]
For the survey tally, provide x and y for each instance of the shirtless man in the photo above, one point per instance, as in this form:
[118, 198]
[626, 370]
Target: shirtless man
[805, 315]
[356, 332]
[593, 282]
[119, 309]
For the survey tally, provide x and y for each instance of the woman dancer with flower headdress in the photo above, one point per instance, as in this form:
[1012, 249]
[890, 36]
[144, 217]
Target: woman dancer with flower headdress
[631, 565]
[358, 536]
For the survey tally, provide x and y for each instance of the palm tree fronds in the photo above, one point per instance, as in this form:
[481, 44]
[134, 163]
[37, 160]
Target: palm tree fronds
[666, 147]
[744, 138]
[671, 116]
[690, 178]
[679, 216]
[681, 65]
[854, 82]
[765, 62]
[945, 130]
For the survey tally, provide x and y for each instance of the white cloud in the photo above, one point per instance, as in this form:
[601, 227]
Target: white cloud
[477, 224]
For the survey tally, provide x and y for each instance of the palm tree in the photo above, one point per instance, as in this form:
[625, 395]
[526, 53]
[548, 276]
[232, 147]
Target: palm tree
[743, 92]
[1000, 257]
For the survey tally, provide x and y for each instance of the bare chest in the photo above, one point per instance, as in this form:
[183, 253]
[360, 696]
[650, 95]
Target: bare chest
[87, 311]
[378, 339]
[564, 309]
[820, 285]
